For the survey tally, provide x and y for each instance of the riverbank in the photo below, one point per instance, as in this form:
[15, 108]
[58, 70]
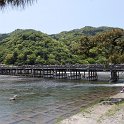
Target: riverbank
[100, 114]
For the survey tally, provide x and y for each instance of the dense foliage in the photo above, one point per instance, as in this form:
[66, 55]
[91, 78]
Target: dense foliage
[83, 46]
[14, 3]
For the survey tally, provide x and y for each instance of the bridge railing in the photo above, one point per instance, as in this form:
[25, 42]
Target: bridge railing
[68, 66]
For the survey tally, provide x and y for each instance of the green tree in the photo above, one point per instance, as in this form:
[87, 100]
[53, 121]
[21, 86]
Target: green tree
[31, 59]
[9, 59]
[40, 60]
[85, 45]
[51, 59]
[111, 45]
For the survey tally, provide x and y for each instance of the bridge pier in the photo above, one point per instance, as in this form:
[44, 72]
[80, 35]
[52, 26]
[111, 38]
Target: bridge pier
[92, 75]
[60, 73]
[114, 76]
[74, 74]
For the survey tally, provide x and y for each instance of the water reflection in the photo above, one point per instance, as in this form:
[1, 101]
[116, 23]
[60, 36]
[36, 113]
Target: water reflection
[49, 98]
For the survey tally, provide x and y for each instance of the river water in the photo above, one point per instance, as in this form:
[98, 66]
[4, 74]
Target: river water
[43, 101]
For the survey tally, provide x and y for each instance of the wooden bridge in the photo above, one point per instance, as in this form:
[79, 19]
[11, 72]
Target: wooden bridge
[88, 72]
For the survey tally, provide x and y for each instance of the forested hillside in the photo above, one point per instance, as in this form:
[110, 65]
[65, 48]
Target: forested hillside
[87, 45]
[73, 35]
[3, 36]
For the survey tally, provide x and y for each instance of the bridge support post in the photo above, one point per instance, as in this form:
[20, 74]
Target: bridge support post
[92, 75]
[114, 76]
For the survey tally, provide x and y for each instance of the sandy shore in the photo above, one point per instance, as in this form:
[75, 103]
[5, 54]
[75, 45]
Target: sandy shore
[100, 114]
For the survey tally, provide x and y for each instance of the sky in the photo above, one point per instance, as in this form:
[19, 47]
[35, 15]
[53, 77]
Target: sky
[54, 16]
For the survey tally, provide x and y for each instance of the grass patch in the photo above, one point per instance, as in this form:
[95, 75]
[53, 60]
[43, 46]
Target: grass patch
[121, 104]
[112, 111]
[58, 121]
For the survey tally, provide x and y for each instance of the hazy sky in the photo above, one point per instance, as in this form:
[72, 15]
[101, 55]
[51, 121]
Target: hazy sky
[54, 16]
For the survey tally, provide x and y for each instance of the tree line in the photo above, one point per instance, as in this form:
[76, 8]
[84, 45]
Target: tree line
[83, 46]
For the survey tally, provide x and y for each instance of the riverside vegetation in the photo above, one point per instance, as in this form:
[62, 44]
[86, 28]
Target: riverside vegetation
[88, 45]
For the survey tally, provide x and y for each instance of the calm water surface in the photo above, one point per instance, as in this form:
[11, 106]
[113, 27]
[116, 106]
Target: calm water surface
[42, 101]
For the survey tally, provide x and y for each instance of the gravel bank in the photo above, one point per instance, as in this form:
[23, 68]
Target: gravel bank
[100, 114]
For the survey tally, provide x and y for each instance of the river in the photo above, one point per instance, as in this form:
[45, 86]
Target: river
[46, 101]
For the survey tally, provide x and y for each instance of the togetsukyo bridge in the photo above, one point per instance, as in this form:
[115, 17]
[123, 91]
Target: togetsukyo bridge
[87, 72]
